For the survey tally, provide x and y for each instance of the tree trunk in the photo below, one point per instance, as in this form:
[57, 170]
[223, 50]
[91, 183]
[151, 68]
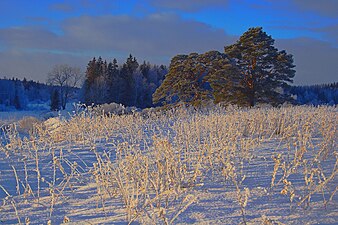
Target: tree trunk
[64, 102]
[251, 97]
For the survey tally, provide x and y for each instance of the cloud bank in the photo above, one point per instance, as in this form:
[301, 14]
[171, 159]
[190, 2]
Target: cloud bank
[156, 35]
[156, 38]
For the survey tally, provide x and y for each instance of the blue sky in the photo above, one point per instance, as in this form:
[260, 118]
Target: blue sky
[36, 35]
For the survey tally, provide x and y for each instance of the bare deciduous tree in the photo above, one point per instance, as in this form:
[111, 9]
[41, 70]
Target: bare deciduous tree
[67, 78]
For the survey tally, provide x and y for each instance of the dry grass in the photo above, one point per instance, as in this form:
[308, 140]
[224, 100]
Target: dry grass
[155, 165]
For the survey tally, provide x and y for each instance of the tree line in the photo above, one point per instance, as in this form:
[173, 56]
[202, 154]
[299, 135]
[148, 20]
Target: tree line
[251, 71]
[315, 94]
[131, 84]
[23, 94]
[248, 72]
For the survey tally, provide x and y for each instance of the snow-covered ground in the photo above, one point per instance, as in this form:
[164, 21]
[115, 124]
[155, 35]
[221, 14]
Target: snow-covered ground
[40, 112]
[18, 115]
[254, 166]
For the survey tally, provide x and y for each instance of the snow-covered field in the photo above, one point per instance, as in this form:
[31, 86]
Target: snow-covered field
[180, 166]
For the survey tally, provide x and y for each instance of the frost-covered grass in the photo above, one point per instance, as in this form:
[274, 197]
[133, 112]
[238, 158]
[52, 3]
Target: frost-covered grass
[214, 166]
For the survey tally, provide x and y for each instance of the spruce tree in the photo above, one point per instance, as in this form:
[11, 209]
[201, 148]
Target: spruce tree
[130, 84]
[145, 69]
[113, 81]
[128, 92]
[91, 75]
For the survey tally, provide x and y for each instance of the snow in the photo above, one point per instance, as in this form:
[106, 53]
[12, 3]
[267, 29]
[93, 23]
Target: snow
[17, 115]
[77, 141]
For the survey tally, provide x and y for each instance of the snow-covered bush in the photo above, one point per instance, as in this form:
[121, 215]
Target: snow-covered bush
[26, 124]
[114, 109]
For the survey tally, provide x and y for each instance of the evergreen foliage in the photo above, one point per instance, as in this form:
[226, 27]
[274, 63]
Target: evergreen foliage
[264, 71]
[113, 80]
[315, 94]
[130, 84]
[251, 71]
[196, 79]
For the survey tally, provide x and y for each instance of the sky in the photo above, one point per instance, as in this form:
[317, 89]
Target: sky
[36, 35]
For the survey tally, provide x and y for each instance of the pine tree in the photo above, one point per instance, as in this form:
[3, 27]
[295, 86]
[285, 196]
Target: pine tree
[223, 78]
[196, 79]
[168, 93]
[264, 71]
[192, 83]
